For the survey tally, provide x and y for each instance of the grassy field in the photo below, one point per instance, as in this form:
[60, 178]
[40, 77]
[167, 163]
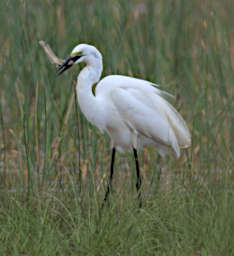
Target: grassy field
[54, 165]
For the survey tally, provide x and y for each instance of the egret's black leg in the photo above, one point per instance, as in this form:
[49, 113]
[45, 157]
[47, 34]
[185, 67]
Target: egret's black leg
[111, 175]
[138, 184]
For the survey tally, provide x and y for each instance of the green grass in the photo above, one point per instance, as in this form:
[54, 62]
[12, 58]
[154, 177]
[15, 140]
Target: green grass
[54, 164]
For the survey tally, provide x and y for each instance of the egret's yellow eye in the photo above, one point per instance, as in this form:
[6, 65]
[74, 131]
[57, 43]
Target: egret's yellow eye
[76, 54]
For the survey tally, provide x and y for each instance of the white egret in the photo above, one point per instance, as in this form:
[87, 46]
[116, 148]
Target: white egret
[133, 112]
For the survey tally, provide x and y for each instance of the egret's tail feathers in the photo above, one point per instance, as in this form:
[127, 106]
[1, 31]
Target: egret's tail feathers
[178, 125]
[174, 143]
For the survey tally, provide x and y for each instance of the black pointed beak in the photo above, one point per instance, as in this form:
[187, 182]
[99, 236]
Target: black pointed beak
[66, 64]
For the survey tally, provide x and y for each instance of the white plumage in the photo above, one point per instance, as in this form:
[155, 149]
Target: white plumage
[134, 112]
[138, 115]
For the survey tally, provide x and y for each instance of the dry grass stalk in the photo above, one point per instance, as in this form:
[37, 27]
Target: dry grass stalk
[52, 57]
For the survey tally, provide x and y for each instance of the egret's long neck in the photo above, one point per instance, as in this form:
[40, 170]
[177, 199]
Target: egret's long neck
[86, 99]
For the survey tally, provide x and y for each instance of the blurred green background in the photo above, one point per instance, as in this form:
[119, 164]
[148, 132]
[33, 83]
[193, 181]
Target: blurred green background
[54, 164]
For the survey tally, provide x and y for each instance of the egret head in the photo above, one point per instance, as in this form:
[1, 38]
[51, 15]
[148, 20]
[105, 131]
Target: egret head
[82, 53]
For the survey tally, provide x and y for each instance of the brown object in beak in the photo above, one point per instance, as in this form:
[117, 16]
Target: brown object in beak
[52, 57]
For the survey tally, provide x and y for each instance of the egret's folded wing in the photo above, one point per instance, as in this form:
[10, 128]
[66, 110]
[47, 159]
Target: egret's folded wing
[168, 112]
[142, 118]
